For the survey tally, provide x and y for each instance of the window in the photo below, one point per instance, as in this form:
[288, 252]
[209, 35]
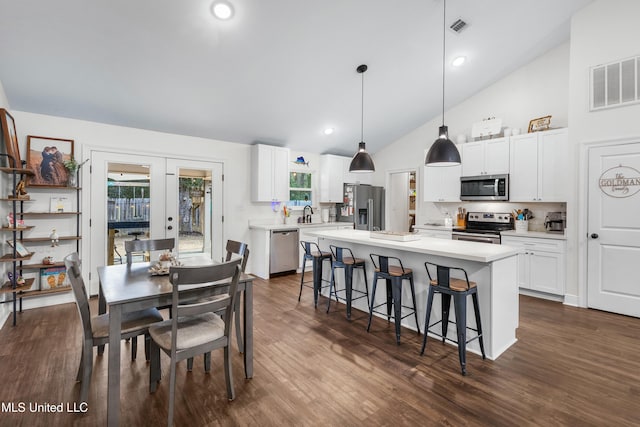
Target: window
[300, 189]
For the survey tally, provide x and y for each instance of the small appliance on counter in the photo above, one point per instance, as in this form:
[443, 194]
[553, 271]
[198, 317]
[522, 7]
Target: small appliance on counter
[555, 222]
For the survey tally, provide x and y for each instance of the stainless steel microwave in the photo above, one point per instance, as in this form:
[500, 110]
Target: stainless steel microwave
[484, 187]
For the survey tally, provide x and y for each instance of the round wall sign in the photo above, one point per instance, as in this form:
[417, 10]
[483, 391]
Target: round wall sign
[620, 181]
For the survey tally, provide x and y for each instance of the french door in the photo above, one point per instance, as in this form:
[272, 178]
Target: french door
[152, 197]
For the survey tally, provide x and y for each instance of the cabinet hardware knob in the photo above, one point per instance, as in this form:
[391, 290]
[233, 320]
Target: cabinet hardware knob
[594, 235]
[170, 227]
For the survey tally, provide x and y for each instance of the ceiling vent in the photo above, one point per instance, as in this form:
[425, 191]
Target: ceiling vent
[615, 84]
[458, 26]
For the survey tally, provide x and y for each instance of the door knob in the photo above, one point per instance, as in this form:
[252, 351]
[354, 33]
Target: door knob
[594, 235]
[170, 219]
[170, 227]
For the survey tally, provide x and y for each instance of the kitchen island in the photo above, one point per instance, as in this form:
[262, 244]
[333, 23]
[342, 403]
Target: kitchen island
[492, 267]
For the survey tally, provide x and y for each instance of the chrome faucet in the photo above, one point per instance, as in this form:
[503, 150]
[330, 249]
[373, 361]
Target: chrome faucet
[307, 217]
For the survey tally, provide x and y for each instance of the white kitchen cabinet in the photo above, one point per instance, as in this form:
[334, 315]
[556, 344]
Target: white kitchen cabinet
[490, 157]
[269, 173]
[538, 169]
[333, 170]
[441, 183]
[541, 263]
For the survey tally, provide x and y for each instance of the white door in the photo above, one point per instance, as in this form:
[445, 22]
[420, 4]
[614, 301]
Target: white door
[194, 207]
[613, 248]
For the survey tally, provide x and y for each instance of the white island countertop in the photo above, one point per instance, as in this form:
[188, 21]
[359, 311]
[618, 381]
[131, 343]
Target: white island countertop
[297, 225]
[470, 251]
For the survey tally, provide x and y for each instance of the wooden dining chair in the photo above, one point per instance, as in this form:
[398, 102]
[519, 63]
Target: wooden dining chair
[131, 246]
[95, 330]
[195, 328]
[241, 249]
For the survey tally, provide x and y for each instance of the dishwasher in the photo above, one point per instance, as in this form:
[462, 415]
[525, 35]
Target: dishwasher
[284, 251]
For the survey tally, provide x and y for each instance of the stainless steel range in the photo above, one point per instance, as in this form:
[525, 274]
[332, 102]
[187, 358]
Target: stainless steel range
[484, 227]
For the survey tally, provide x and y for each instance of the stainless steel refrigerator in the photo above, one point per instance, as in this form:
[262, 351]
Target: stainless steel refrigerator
[363, 207]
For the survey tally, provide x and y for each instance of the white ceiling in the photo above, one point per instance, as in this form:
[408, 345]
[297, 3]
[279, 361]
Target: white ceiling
[280, 72]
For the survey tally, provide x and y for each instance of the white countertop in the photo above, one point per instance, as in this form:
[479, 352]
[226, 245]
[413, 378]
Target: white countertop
[295, 225]
[471, 251]
[536, 234]
[432, 227]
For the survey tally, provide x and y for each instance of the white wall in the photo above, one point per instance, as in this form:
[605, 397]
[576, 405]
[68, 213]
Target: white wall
[4, 308]
[537, 89]
[4, 102]
[604, 31]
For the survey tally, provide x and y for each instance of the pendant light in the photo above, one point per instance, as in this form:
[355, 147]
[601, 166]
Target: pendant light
[443, 151]
[362, 161]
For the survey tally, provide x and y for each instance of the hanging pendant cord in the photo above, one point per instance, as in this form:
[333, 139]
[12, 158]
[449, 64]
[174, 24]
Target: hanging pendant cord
[362, 111]
[444, 25]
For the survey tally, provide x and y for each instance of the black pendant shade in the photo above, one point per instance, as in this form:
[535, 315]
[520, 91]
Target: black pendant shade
[443, 151]
[362, 161]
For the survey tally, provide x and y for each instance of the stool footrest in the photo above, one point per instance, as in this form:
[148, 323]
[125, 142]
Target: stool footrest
[475, 337]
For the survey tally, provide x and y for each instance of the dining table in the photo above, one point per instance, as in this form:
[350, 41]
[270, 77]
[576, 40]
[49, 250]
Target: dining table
[131, 287]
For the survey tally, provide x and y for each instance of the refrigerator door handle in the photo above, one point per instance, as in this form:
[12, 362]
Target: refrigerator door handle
[370, 214]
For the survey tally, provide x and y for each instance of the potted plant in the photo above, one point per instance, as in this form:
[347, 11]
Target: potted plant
[72, 166]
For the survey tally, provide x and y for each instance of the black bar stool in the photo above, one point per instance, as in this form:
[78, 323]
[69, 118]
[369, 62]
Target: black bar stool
[458, 288]
[317, 257]
[348, 263]
[394, 274]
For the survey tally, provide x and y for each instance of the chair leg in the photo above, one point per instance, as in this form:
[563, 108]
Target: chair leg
[238, 326]
[317, 279]
[80, 365]
[366, 285]
[427, 318]
[147, 347]
[415, 307]
[460, 307]
[154, 368]
[134, 348]
[190, 364]
[348, 284]
[172, 392]
[207, 361]
[87, 368]
[446, 305]
[396, 289]
[304, 263]
[228, 376]
[476, 310]
[373, 299]
[331, 287]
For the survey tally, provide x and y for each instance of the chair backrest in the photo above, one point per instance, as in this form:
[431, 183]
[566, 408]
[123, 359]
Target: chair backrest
[443, 274]
[308, 248]
[340, 252]
[206, 276]
[382, 263]
[131, 246]
[72, 262]
[238, 248]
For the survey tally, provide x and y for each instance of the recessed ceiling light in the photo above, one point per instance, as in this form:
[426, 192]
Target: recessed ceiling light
[222, 10]
[329, 131]
[458, 61]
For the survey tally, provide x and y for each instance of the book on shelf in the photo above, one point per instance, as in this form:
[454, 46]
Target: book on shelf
[54, 277]
[20, 249]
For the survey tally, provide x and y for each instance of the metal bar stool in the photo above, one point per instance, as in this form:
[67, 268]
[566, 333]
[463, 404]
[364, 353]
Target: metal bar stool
[348, 263]
[394, 274]
[448, 286]
[313, 253]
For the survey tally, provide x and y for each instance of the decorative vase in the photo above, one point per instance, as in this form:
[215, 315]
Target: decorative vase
[73, 180]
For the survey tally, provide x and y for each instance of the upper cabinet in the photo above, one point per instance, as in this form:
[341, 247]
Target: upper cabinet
[441, 183]
[270, 173]
[490, 157]
[333, 170]
[538, 166]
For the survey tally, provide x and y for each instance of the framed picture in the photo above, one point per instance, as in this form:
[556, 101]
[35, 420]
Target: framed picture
[53, 277]
[539, 124]
[46, 157]
[20, 249]
[10, 138]
[60, 204]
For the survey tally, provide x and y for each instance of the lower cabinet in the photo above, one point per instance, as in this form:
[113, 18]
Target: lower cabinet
[541, 263]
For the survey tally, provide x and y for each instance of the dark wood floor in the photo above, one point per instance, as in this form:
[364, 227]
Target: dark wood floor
[571, 366]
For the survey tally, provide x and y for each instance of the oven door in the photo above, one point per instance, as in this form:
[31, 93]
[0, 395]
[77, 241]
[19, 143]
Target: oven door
[476, 237]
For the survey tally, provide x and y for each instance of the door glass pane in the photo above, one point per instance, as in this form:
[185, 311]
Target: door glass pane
[194, 212]
[128, 209]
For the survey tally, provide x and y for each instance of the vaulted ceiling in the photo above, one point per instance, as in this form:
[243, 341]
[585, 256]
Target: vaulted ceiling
[279, 72]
